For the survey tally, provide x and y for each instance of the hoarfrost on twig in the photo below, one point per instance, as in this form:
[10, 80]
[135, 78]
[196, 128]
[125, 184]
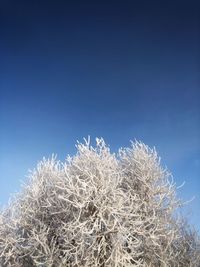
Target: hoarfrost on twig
[97, 209]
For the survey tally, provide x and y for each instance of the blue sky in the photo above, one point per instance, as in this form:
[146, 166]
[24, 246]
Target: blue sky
[116, 69]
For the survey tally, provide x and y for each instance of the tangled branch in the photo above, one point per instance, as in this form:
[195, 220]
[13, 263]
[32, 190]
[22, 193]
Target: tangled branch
[97, 209]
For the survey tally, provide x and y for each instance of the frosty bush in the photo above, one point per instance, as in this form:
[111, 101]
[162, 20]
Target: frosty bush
[97, 209]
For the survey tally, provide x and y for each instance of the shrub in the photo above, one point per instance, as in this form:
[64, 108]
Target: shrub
[97, 209]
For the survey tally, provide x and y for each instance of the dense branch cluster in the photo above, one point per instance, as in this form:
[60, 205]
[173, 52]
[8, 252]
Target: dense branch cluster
[97, 209]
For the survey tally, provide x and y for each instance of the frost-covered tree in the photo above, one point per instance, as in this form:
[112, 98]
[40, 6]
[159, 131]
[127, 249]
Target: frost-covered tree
[98, 209]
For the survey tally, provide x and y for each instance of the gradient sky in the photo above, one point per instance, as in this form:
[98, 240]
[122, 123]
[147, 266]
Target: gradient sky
[116, 69]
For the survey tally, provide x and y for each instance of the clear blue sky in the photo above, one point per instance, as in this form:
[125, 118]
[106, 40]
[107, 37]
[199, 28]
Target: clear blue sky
[116, 69]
